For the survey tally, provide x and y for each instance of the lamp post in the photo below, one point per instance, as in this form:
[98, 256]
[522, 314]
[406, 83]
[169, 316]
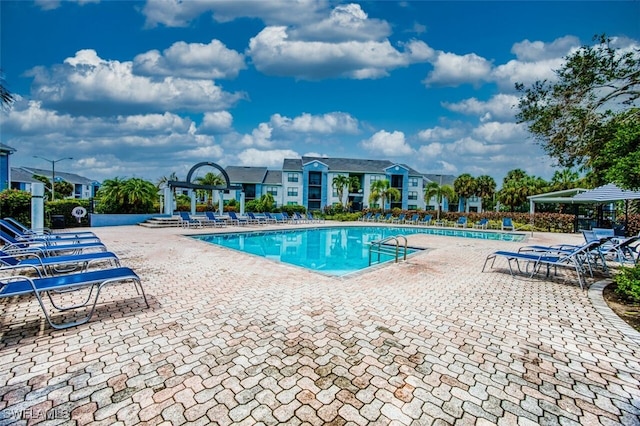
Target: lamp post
[53, 172]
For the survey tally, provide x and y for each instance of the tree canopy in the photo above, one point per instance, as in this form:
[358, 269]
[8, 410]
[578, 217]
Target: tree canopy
[588, 116]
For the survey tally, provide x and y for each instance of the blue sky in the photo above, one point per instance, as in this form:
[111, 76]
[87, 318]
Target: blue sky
[144, 89]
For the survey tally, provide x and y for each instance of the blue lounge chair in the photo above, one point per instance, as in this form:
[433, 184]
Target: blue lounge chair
[186, 221]
[66, 238]
[426, 220]
[366, 217]
[386, 218]
[256, 219]
[399, 219]
[507, 224]
[47, 248]
[212, 219]
[45, 231]
[482, 223]
[92, 280]
[535, 260]
[462, 222]
[237, 219]
[53, 265]
[414, 219]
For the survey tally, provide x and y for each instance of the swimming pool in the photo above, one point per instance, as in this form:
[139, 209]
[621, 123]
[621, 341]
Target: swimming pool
[331, 250]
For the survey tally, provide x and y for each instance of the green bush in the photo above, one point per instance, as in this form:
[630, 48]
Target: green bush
[628, 283]
[65, 207]
[345, 217]
[16, 204]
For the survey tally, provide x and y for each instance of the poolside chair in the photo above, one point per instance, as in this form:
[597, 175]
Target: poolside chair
[375, 218]
[507, 224]
[53, 265]
[481, 224]
[44, 231]
[413, 220]
[462, 222]
[298, 218]
[535, 260]
[237, 220]
[214, 220]
[386, 218]
[252, 218]
[622, 251]
[45, 248]
[186, 221]
[426, 220]
[399, 219]
[365, 218]
[19, 285]
[10, 229]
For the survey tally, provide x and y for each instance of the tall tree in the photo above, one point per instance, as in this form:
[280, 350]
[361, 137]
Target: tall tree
[564, 179]
[571, 116]
[440, 192]
[382, 190]
[6, 97]
[339, 183]
[210, 179]
[465, 187]
[485, 188]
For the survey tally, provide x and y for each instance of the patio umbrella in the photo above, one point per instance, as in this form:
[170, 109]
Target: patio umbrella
[607, 194]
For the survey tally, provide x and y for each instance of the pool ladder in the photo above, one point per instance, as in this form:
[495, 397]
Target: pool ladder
[390, 246]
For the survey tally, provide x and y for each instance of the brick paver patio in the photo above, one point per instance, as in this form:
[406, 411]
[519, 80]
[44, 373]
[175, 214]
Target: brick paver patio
[236, 339]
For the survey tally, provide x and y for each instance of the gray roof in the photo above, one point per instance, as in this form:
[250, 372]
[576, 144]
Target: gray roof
[274, 177]
[240, 174]
[7, 149]
[292, 165]
[21, 175]
[357, 165]
[67, 177]
[446, 179]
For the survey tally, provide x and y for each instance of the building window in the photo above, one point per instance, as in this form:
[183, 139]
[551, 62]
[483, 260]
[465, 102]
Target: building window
[413, 195]
[413, 182]
[292, 203]
[273, 190]
[292, 191]
[374, 178]
[292, 177]
[334, 194]
[412, 207]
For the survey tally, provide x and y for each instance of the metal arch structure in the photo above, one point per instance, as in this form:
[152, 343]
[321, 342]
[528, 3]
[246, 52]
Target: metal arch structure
[189, 185]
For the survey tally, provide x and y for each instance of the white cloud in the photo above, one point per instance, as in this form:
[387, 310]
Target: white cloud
[499, 107]
[265, 158]
[178, 13]
[88, 84]
[191, 60]
[440, 133]
[387, 144]
[330, 123]
[216, 122]
[452, 70]
[260, 137]
[274, 53]
[535, 51]
[507, 75]
[345, 22]
[495, 132]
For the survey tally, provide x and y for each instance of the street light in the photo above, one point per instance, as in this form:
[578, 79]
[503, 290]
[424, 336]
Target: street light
[53, 172]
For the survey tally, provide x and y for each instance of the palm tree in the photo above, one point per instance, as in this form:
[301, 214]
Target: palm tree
[140, 195]
[382, 190]
[339, 183]
[440, 192]
[564, 179]
[112, 195]
[485, 187]
[6, 98]
[210, 179]
[465, 187]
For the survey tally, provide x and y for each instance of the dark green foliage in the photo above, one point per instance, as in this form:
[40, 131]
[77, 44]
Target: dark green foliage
[628, 283]
[133, 195]
[65, 207]
[16, 204]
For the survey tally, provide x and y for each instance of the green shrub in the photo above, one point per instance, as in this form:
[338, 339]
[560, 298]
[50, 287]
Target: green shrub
[16, 204]
[628, 283]
[65, 207]
[345, 217]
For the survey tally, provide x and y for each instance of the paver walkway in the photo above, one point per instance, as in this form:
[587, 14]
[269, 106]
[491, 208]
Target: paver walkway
[236, 339]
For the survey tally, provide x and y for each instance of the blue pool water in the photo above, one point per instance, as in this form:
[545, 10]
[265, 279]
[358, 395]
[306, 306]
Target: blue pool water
[333, 250]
